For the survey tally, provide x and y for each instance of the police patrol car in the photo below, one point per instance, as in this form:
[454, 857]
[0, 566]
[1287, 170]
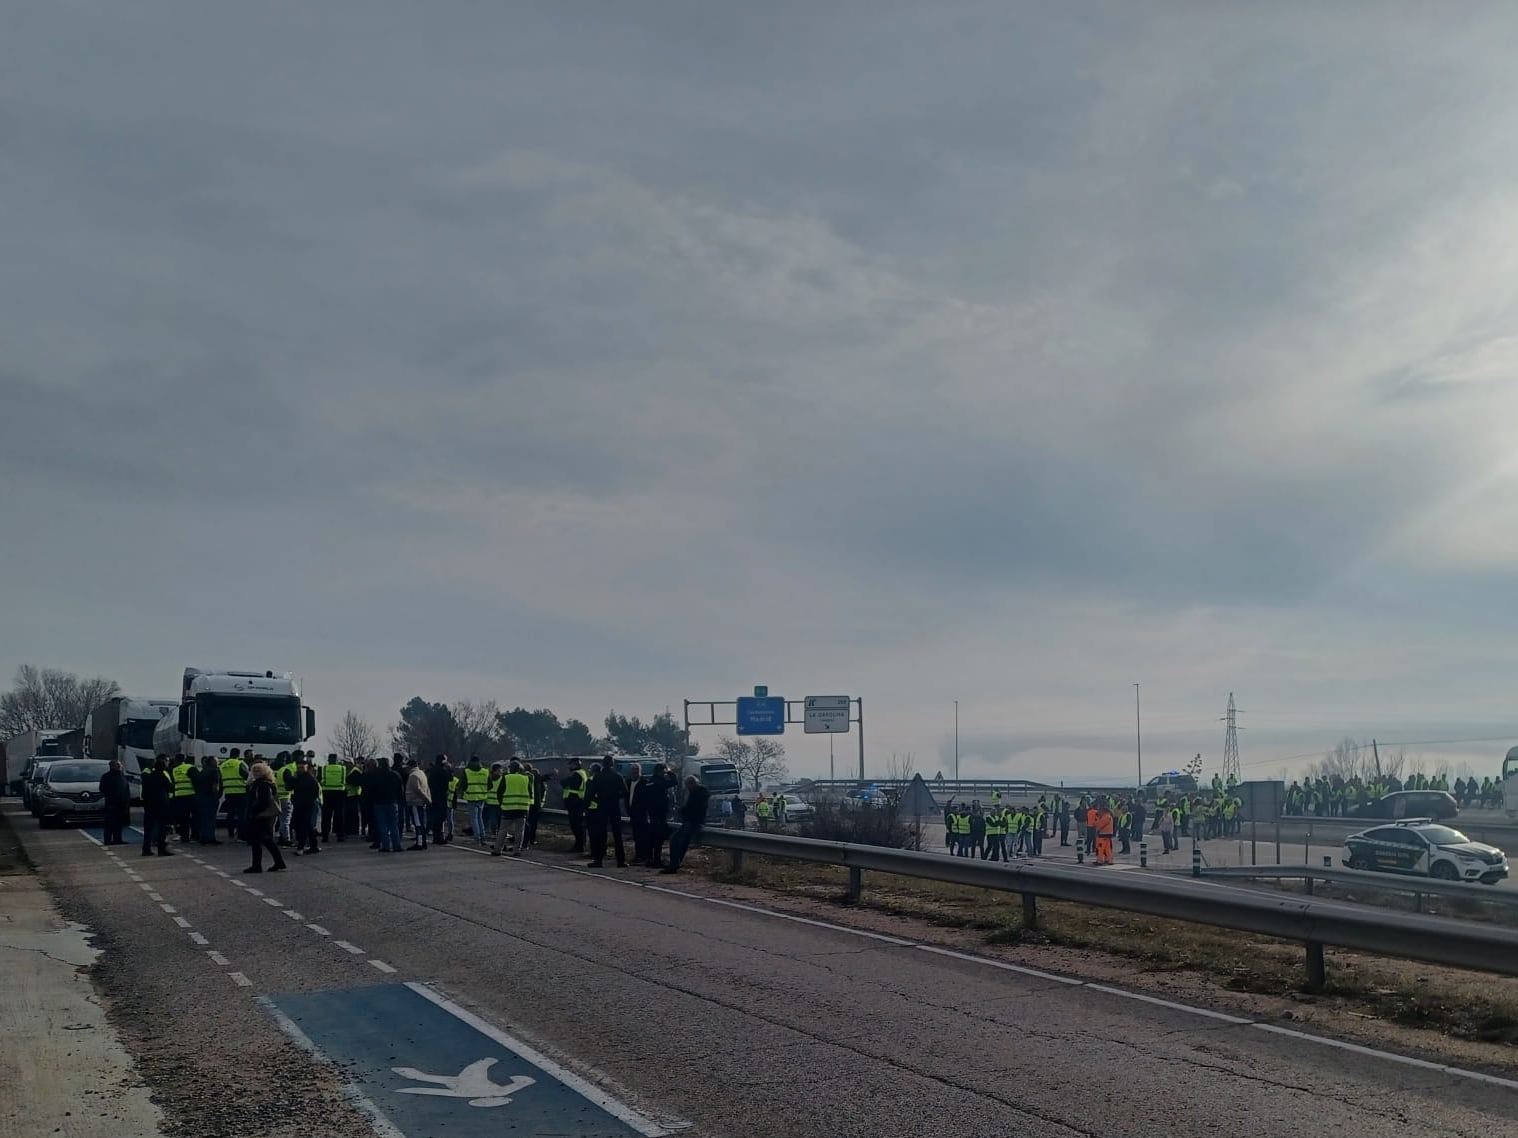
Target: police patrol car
[1420, 847]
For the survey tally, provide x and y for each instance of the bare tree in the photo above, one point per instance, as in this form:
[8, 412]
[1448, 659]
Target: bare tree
[47, 699]
[353, 738]
[479, 731]
[901, 768]
[758, 762]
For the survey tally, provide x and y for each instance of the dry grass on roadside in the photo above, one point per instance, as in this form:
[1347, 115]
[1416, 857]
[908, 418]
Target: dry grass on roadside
[1458, 1003]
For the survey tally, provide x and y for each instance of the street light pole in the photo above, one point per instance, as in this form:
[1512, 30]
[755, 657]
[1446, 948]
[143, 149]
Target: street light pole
[956, 740]
[1138, 734]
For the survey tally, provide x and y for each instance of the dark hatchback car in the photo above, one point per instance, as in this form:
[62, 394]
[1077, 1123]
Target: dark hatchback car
[1439, 805]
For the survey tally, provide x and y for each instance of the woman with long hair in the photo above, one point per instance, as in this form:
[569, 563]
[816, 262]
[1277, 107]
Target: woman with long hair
[262, 815]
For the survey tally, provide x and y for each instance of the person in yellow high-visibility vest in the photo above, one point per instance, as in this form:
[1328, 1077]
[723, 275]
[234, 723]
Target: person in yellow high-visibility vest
[476, 794]
[763, 810]
[334, 784]
[515, 798]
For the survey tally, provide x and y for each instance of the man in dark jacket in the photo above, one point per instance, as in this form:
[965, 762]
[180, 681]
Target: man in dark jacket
[117, 793]
[157, 800]
[439, 776]
[692, 818]
[605, 797]
[306, 796]
[383, 792]
[653, 800]
[207, 801]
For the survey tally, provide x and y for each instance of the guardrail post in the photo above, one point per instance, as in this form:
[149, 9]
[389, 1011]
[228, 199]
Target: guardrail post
[1080, 854]
[737, 866]
[1143, 855]
[1196, 860]
[1417, 902]
[1316, 976]
[1030, 911]
[856, 882]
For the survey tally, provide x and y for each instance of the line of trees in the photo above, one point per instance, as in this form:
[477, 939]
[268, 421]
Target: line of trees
[758, 762]
[50, 699]
[464, 728]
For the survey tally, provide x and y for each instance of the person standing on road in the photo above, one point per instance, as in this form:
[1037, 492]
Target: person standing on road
[382, 797]
[1102, 827]
[207, 799]
[157, 806]
[439, 797]
[476, 791]
[116, 792]
[692, 819]
[1136, 820]
[1165, 821]
[608, 794]
[574, 785]
[305, 796]
[656, 812]
[334, 781]
[183, 774]
[740, 811]
[535, 811]
[515, 799]
[263, 814]
[1064, 822]
[283, 774]
[418, 804]
[354, 815]
[1090, 814]
[636, 817]
[234, 789]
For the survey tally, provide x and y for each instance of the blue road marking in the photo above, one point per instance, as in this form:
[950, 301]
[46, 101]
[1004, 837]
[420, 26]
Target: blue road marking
[429, 1068]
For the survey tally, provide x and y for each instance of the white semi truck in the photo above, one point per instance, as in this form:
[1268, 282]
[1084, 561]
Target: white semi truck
[256, 712]
[122, 728]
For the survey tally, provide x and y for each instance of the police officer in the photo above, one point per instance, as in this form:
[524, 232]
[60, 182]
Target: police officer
[234, 789]
[608, 794]
[575, 783]
[157, 805]
[334, 783]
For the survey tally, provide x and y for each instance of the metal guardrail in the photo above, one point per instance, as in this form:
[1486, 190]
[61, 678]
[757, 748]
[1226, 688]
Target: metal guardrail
[1387, 882]
[1313, 922]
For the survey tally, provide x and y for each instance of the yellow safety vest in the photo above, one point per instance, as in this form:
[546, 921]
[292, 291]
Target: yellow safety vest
[335, 777]
[233, 781]
[516, 791]
[184, 784]
[762, 808]
[574, 784]
[477, 788]
[282, 778]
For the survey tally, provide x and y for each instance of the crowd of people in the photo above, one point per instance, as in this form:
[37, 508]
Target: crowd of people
[297, 804]
[1001, 832]
[1336, 796]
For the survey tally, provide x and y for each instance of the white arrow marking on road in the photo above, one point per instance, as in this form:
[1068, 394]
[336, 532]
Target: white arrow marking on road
[472, 1083]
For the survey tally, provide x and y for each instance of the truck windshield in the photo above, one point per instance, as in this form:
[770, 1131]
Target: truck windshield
[241, 719]
[138, 734]
[52, 748]
[720, 780]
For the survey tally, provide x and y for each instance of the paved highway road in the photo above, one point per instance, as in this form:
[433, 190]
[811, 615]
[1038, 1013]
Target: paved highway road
[442, 980]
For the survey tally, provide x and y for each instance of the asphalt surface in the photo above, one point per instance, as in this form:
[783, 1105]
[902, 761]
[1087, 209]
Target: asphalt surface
[736, 1021]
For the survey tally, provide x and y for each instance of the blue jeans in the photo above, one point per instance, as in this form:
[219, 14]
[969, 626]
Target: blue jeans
[680, 843]
[492, 818]
[387, 820]
[477, 820]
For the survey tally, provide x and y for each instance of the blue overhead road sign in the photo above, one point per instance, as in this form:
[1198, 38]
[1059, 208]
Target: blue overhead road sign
[761, 715]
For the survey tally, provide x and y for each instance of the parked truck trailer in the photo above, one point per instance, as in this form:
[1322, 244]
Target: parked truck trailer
[122, 728]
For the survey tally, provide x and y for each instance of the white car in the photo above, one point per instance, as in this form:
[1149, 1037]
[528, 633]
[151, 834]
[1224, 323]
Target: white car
[1420, 848]
[796, 810]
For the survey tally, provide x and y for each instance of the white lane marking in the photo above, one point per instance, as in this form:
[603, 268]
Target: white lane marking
[293, 915]
[146, 885]
[1007, 967]
[318, 930]
[382, 1126]
[167, 908]
[799, 920]
[200, 939]
[209, 867]
[218, 959]
[382, 966]
[1171, 1004]
[353, 948]
[134, 875]
[87, 835]
[152, 896]
[618, 1110]
[181, 922]
[989, 962]
[222, 873]
[240, 980]
[1407, 1060]
[255, 892]
[272, 901]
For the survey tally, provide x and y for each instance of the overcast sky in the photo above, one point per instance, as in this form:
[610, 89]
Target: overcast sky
[609, 355]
